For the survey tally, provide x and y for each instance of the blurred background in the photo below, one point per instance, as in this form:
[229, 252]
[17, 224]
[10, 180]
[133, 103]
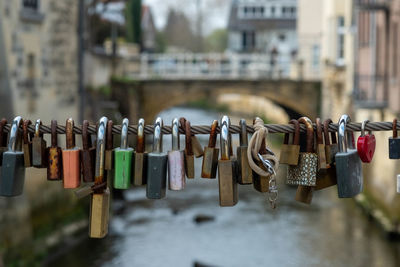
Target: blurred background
[201, 59]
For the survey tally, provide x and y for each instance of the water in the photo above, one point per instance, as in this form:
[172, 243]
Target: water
[330, 232]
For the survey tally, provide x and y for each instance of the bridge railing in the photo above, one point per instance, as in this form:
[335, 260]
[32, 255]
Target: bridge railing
[211, 66]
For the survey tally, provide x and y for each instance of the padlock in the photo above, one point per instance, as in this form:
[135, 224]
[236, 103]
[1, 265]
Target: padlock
[331, 147]
[88, 154]
[398, 184]
[227, 169]
[157, 162]
[304, 194]
[71, 158]
[290, 152]
[123, 160]
[210, 157]
[13, 170]
[305, 173]
[348, 164]
[394, 143]
[27, 145]
[176, 161]
[54, 168]
[327, 177]
[109, 154]
[39, 158]
[189, 155]
[196, 146]
[245, 175]
[3, 139]
[100, 198]
[366, 144]
[320, 145]
[140, 157]
[261, 183]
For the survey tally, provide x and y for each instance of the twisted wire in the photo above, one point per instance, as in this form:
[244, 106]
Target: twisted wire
[205, 129]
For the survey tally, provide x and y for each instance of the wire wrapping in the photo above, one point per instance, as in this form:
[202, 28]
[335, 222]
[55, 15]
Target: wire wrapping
[205, 129]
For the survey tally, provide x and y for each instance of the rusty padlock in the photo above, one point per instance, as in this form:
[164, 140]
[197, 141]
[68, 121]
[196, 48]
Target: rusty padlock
[320, 146]
[109, 154]
[140, 157]
[176, 161]
[39, 157]
[3, 139]
[245, 172]
[210, 158]
[290, 152]
[71, 158]
[27, 145]
[88, 154]
[54, 168]
[189, 155]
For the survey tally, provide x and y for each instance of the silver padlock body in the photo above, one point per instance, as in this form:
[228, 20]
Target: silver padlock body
[156, 175]
[398, 183]
[176, 170]
[349, 174]
[394, 148]
[305, 172]
[38, 147]
[12, 174]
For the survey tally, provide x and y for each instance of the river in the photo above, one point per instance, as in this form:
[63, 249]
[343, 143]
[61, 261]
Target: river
[188, 228]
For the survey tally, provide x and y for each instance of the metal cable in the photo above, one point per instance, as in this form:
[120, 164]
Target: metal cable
[205, 129]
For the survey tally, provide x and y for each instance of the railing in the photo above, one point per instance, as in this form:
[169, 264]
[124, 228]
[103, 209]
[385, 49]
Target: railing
[210, 66]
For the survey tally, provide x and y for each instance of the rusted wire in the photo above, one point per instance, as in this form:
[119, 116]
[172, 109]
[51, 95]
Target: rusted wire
[205, 129]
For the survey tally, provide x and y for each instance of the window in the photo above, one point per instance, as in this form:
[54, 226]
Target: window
[31, 4]
[340, 31]
[315, 54]
[30, 11]
[282, 37]
[272, 11]
[248, 40]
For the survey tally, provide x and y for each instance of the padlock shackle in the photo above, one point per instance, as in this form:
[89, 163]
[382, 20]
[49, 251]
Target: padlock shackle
[225, 138]
[69, 133]
[109, 136]
[27, 136]
[319, 127]
[243, 133]
[140, 139]
[343, 134]
[38, 123]
[124, 133]
[53, 133]
[157, 139]
[3, 135]
[296, 134]
[175, 134]
[14, 142]
[100, 150]
[363, 124]
[86, 139]
[310, 133]
[326, 133]
[212, 141]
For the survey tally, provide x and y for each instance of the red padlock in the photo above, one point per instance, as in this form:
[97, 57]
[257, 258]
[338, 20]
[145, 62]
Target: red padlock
[366, 144]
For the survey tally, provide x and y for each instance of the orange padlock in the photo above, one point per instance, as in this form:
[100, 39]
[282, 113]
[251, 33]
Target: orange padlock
[71, 158]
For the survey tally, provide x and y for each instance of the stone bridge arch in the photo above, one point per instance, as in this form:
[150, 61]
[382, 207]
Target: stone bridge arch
[146, 98]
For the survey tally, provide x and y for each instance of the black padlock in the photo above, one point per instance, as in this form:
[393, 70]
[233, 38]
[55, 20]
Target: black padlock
[394, 143]
[13, 170]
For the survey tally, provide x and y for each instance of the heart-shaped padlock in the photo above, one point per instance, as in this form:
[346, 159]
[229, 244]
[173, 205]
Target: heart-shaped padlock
[366, 144]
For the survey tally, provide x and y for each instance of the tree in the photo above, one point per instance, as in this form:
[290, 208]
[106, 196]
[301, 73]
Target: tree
[178, 33]
[217, 41]
[133, 15]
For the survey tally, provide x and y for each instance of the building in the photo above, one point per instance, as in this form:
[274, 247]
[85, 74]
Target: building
[266, 26]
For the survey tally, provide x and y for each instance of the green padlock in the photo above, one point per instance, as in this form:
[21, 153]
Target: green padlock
[123, 160]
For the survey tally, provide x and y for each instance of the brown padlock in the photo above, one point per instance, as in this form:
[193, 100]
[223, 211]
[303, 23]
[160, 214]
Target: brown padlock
[39, 157]
[54, 168]
[27, 145]
[320, 146]
[245, 172]
[261, 183]
[140, 156]
[189, 155]
[71, 158]
[3, 140]
[196, 146]
[109, 155]
[88, 154]
[210, 158]
[290, 152]
[327, 178]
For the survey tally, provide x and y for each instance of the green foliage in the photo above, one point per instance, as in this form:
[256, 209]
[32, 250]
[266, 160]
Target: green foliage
[207, 105]
[161, 42]
[217, 41]
[133, 16]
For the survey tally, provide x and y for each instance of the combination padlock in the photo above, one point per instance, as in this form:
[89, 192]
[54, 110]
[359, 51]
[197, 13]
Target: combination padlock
[140, 156]
[245, 172]
[176, 161]
[123, 160]
[210, 158]
[54, 168]
[366, 144]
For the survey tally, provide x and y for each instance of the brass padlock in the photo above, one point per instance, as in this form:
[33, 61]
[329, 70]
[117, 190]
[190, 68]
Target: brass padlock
[39, 158]
[320, 146]
[261, 183]
[140, 157]
[100, 198]
[331, 147]
[189, 155]
[304, 194]
[71, 158]
[54, 168]
[227, 180]
[27, 145]
[210, 158]
[196, 146]
[176, 161]
[290, 152]
[245, 172]
[109, 154]
[3, 139]
[88, 154]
